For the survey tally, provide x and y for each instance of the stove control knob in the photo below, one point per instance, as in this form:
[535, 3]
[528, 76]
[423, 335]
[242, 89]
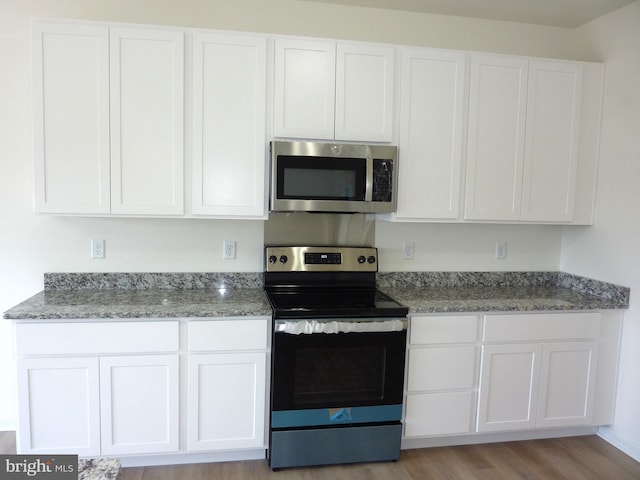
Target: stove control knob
[272, 259]
[371, 259]
[362, 259]
[283, 259]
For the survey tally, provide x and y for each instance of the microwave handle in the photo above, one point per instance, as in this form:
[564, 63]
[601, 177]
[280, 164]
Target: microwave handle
[368, 194]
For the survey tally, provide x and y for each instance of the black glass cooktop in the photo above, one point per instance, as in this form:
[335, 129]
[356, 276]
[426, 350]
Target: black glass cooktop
[333, 302]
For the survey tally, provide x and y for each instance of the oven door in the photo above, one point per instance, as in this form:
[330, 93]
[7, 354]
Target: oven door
[337, 374]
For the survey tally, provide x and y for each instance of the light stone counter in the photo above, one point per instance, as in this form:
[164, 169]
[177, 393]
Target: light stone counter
[192, 295]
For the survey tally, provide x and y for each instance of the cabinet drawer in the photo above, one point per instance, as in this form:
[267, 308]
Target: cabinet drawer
[444, 329]
[545, 326]
[441, 368]
[96, 337]
[225, 335]
[438, 414]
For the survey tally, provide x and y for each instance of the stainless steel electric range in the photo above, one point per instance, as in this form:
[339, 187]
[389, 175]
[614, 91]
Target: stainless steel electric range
[338, 356]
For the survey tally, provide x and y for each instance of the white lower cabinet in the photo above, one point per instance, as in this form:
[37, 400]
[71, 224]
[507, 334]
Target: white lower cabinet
[227, 384]
[441, 374]
[139, 404]
[58, 406]
[112, 388]
[98, 406]
[508, 387]
[226, 401]
[98, 388]
[549, 381]
[567, 384]
[509, 372]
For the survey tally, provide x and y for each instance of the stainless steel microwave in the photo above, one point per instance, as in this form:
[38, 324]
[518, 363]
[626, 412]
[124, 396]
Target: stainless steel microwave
[333, 177]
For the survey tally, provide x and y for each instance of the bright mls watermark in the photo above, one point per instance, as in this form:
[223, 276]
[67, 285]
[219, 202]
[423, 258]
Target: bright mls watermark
[50, 467]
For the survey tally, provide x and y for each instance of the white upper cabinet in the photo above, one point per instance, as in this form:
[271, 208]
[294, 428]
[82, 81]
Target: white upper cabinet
[364, 93]
[481, 137]
[430, 148]
[71, 118]
[147, 111]
[228, 138]
[522, 143]
[304, 95]
[330, 91]
[108, 119]
[551, 144]
[497, 113]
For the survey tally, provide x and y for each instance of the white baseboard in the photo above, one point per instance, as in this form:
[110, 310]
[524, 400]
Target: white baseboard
[7, 426]
[183, 458]
[427, 442]
[609, 434]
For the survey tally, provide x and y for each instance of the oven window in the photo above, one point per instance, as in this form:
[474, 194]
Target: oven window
[335, 374]
[336, 370]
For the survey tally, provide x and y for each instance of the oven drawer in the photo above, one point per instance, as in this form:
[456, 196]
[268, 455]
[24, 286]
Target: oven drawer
[374, 443]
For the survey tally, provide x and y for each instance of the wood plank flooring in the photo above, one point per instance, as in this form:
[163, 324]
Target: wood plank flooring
[573, 458]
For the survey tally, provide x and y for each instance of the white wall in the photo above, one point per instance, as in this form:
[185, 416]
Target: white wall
[461, 247]
[31, 245]
[609, 250]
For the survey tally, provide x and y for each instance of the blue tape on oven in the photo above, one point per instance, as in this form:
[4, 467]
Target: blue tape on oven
[324, 416]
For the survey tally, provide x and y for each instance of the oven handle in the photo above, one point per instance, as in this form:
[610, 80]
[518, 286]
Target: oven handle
[297, 327]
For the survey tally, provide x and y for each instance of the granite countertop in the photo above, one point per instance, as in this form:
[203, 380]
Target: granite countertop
[150, 303]
[492, 299]
[432, 292]
[144, 295]
[189, 295]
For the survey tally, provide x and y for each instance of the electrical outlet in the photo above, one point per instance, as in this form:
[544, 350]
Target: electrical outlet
[407, 250]
[229, 250]
[97, 248]
[501, 250]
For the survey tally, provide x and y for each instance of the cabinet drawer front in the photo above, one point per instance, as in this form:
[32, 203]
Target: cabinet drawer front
[99, 337]
[226, 335]
[443, 329]
[546, 326]
[438, 414]
[441, 368]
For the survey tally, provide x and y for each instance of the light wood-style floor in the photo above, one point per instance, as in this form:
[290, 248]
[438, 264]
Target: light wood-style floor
[574, 458]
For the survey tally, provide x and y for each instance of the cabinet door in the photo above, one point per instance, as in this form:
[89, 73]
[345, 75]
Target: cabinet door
[508, 394]
[364, 93]
[229, 143]
[497, 103]
[431, 112]
[71, 118]
[139, 404]
[226, 401]
[304, 95]
[147, 112]
[567, 382]
[551, 146]
[58, 406]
